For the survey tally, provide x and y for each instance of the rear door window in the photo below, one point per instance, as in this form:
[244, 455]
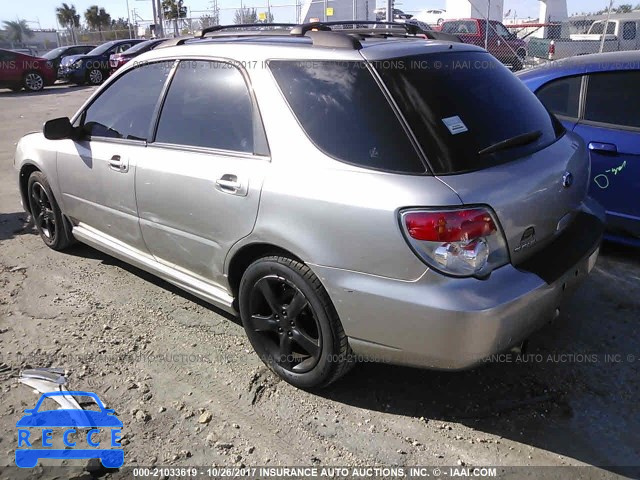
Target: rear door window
[562, 96]
[614, 98]
[459, 104]
[208, 105]
[344, 112]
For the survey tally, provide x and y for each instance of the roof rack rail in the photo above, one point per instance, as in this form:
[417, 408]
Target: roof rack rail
[410, 28]
[218, 28]
[171, 42]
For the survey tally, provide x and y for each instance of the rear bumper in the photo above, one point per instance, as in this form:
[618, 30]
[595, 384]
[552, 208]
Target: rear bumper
[447, 323]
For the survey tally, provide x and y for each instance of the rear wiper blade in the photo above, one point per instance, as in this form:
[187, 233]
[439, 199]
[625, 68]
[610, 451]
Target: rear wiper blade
[518, 141]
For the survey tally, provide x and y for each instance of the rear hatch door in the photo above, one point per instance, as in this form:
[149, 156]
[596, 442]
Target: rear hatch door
[490, 139]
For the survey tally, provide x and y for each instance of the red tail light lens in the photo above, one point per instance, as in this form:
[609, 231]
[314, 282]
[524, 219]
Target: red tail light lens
[452, 226]
[459, 242]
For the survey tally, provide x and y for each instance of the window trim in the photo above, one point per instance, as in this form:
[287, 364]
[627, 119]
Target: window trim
[81, 114]
[594, 123]
[260, 142]
[394, 108]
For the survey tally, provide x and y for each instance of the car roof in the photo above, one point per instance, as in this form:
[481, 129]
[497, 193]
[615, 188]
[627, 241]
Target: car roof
[580, 65]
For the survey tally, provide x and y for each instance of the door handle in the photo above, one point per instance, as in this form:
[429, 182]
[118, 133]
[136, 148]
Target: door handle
[603, 147]
[231, 184]
[119, 164]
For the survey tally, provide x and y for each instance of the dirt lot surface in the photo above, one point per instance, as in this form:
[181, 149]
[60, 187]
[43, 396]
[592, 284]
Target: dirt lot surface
[185, 382]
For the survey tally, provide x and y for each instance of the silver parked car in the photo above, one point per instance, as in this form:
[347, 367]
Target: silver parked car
[347, 194]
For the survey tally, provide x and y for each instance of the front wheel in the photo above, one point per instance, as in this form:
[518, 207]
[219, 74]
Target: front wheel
[292, 324]
[47, 216]
[95, 76]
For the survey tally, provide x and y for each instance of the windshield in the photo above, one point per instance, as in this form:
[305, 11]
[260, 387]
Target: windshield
[462, 105]
[141, 46]
[598, 27]
[100, 49]
[53, 53]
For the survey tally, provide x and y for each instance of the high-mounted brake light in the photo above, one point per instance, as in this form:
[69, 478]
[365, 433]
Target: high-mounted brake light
[460, 242]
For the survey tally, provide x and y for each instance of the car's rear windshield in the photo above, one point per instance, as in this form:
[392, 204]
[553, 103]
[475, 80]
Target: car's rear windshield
[100, 49]
[462, 105]
[53, 53]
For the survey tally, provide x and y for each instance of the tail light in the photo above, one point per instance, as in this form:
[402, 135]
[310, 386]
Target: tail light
[552, 49]
[458, 242]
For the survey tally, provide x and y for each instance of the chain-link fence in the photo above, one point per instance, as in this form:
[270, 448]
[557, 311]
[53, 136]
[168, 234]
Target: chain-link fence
[540, 31]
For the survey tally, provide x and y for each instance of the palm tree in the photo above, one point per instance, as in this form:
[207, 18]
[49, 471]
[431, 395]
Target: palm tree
[174, 10]
[97, 18]
[17, 31]
[68, 17]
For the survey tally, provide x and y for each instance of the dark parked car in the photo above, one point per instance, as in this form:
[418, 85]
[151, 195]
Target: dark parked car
[501, 43]
[597, 97]
[18, 71]
[93, 67]
[118, 59]
[56, 55]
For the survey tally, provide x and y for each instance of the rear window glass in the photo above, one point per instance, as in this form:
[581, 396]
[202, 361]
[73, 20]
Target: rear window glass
[460, 27]
[461, 103]
[344, 112]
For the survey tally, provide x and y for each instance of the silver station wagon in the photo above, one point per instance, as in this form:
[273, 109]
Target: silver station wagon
[351, 193]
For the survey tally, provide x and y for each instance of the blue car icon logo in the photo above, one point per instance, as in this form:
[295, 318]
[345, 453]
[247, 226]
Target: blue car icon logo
[101, 426]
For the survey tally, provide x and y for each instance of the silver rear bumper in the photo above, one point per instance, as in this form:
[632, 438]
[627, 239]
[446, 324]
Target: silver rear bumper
[447, 323]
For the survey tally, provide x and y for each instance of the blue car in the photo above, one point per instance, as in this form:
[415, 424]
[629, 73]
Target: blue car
[598, 97]
[28, 454]
[93, 67]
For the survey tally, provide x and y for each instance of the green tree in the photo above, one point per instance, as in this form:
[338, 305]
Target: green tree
[17, 31]
[69, 18]
[97, 18]
[174, 10]
[209, 21]
[625, 8]
[245, 15]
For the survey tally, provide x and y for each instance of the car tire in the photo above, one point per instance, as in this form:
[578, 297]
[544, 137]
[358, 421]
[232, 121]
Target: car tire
[53, 227]
[95, 76]
[33, 82]
[292, 324]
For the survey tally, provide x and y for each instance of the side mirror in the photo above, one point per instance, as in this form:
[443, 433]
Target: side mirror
[58, 128]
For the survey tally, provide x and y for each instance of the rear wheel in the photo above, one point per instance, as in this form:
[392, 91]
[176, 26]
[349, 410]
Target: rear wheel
[291, 322]
[54, 230]
[33, 82]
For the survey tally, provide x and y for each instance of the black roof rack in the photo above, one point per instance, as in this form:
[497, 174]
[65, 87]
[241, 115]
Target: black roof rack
[410, 28]
[321, 33]
[258, 28]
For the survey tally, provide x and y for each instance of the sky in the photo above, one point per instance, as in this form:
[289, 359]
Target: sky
[41, 13]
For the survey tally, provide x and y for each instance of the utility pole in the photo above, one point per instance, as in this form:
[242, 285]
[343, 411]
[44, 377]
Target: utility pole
[160, 18]
[486, 28]
[129, 20]
[606, 27]
[389, 10]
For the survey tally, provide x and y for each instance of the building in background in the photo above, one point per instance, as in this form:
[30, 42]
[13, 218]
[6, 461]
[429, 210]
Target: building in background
[336, 10]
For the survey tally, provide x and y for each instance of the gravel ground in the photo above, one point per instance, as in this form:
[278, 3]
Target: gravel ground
[183, 379]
